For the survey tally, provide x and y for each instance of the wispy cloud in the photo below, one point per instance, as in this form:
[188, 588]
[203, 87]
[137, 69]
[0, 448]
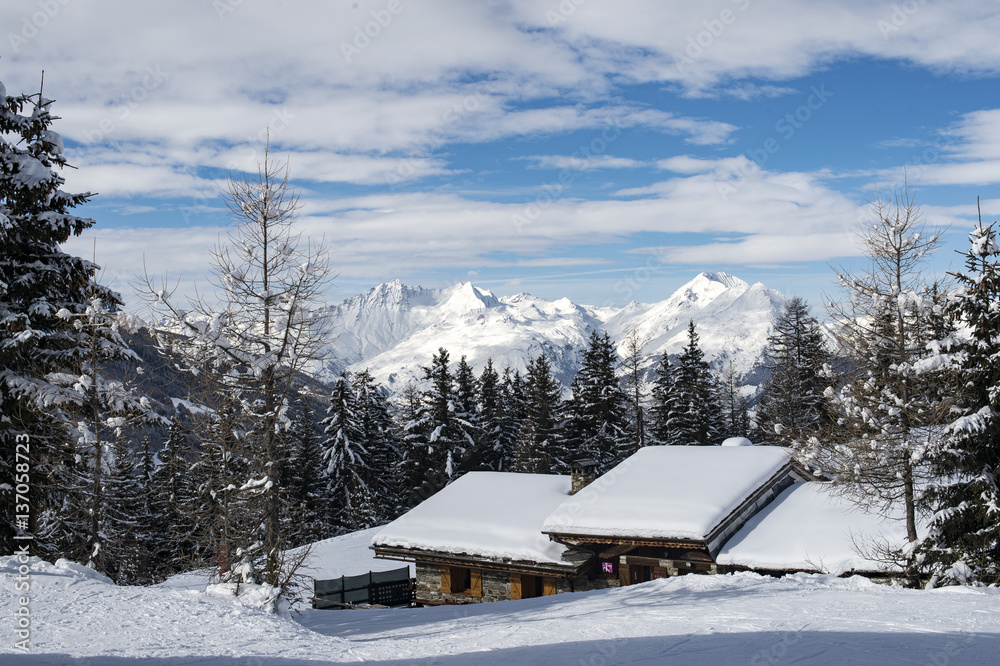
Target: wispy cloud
[590, 163]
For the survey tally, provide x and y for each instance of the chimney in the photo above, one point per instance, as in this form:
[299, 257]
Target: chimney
[582, 474]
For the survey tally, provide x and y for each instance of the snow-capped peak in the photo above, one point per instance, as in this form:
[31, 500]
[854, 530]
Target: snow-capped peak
[466, 297]
[706, 287]
[393, 329]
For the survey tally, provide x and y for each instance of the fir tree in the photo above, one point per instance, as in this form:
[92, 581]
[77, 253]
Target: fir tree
[698, 417]
[514, 412]
[99, 410]
[598, 409]
[346, 458]
[171, 497]
[792, 404]
[963, 544]
[58, 326]
[466, 414]
[126, 535]
[437, 439]
[415, 457]
[308, 502]
[221, 505]
[540, 448]
[664, 406]
[494, 439]
[377, 432]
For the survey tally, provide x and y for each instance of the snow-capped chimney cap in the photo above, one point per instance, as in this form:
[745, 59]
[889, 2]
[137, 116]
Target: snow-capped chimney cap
[582, 473]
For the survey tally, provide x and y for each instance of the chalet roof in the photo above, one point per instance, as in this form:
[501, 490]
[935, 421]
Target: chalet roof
[669, 492]
[492, 515]
[808, 528]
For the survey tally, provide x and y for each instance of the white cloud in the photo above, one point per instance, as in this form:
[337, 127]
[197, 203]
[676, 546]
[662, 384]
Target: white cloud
[191, 77]
[158, 98]
[966, 153]
[774, 217]
[574, 163]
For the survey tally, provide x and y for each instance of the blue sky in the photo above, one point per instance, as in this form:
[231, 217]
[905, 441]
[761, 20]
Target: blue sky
[604, 151]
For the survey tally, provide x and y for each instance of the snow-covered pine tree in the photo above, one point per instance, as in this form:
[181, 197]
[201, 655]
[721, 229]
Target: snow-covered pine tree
[540, 447]
[514, 412]
[698, 420]
[45, 295]
[378, 433]
[99, 410]
[437, 440]
[466, 413]
[598, 410]
[171, 498]
[792, 404]
[63, 521]
[493, 438]
[308, 504]
[887, 409]
[126, 536]
[346, 459]
[963, 544]
[409, 413]
[664, 406]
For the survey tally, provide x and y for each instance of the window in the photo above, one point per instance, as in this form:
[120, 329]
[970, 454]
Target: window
[462, 580]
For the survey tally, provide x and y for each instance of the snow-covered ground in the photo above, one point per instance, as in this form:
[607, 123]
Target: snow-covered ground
[345, 555]
[78, 616]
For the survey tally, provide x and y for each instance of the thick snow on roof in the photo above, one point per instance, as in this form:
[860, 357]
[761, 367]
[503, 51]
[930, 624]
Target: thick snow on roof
[497, 515]
[809, 528]
[668, 492]
[346, 555]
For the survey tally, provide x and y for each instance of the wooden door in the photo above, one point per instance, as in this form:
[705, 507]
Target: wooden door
[515, 586]
[446, 580]
[476, 583]
[640, 573]
[548, 586]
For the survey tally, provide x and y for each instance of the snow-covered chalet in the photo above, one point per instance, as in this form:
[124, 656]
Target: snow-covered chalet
[664, 511]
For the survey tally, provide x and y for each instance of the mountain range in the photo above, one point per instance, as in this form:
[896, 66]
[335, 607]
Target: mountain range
[394, 329]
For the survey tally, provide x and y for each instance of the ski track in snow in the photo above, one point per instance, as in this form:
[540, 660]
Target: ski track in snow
[80, 617]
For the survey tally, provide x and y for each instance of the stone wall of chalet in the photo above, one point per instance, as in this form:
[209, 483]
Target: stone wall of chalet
[495, 585]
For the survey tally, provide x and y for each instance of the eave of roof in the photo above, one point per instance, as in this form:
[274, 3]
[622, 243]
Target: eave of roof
[494, 564]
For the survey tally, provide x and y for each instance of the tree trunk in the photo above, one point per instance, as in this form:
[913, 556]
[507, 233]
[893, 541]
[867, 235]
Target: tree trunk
[911, 526]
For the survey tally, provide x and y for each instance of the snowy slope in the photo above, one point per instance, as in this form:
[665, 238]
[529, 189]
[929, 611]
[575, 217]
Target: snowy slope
[79, 617]
[393, 330]
[344, 555]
